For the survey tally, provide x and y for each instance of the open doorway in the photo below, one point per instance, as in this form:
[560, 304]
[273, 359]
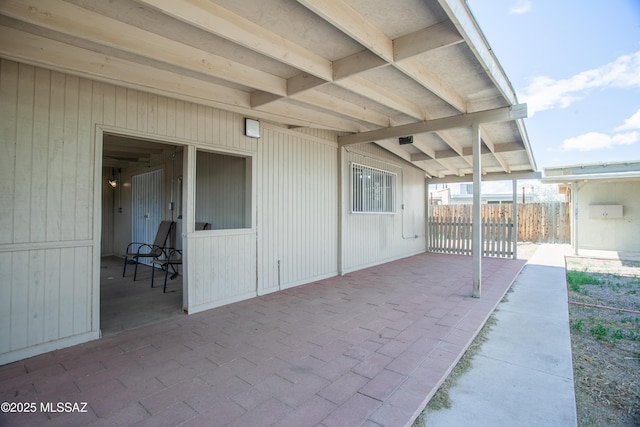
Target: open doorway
[141, 187]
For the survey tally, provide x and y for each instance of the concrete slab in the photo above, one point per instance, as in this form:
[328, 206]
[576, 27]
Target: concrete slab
[523, 374]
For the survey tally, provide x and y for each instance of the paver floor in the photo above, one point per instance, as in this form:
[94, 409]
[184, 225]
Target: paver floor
[365, 349]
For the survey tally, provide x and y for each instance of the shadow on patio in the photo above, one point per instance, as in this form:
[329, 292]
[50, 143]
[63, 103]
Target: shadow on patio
[371, 345]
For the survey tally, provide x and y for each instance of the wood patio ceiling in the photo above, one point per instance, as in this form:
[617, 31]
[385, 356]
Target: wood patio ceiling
[370, 67]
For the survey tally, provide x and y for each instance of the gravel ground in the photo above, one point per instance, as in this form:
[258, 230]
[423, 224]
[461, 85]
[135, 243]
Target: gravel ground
[605, 341]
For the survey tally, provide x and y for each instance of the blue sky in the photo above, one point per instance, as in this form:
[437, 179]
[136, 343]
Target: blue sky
[577, 66]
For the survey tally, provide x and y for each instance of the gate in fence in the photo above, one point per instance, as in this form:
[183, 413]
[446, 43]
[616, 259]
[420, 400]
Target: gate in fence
[454, 236]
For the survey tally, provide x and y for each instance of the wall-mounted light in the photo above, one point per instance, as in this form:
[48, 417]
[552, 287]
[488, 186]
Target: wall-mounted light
[252, 128]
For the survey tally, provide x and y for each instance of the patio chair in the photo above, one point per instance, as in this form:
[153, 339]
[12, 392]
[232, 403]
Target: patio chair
[202, 226]
[145, 250]
[171, 258]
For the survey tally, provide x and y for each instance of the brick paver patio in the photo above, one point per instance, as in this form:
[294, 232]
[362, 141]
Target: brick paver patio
[366, 349]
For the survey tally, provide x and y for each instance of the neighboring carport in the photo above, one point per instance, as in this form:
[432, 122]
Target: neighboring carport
[605, 204]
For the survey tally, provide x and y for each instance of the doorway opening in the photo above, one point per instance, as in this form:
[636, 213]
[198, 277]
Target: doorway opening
[141, 185]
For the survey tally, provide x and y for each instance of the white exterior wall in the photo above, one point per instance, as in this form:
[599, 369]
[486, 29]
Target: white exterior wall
[370, 238]
[609, 234]
[297, 209]
[51, 213]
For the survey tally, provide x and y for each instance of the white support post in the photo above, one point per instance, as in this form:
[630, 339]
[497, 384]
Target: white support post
[515, 218]
[188, 216]
[575, 189]
[477, 211]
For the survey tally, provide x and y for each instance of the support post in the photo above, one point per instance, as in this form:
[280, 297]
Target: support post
[515, 218]
[477, 210]
[575, 189]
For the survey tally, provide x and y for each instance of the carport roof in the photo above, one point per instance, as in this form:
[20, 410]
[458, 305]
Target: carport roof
[628, 170]
[370, 69]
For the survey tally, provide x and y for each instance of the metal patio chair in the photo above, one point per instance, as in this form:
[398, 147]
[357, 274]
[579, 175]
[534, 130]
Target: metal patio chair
[137, 250]
[171, 258]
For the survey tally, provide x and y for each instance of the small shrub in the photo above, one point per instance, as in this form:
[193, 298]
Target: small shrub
[599, 331]
[582, 278]
[577, 325]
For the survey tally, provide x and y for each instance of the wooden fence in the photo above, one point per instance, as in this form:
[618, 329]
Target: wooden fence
[450, 227]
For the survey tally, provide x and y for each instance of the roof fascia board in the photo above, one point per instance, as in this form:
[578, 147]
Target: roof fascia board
[591, 177]
[467, 26]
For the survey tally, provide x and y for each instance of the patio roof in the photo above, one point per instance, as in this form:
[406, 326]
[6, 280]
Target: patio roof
[372, 69]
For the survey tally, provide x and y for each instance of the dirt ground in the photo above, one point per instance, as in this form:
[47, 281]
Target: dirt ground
[605, 341]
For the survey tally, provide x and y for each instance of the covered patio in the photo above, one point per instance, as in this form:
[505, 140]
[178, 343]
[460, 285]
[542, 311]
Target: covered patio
[367, 348]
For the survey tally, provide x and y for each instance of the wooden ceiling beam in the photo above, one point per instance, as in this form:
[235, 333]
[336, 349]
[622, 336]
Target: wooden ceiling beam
[503, 114]
[215, 19]
[437, 36]
[492, 147]
[81, 23]
[346, 19]
[32, 49]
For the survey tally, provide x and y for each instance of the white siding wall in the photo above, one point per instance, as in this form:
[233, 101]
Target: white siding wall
[46, 201]
[47, 240]
[297, 208]
[610, 234]
[49, 234]
[371, 239]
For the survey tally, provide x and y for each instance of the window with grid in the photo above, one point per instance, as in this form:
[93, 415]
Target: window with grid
[372, 190]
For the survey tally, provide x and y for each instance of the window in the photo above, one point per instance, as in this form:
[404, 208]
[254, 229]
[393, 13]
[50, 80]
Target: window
[223, 191]
[372, 190]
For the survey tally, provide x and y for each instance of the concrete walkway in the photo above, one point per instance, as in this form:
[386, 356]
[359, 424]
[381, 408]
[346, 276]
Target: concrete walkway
[522, 375]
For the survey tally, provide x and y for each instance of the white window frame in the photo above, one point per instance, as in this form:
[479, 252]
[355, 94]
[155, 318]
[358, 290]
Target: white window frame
[373, 190]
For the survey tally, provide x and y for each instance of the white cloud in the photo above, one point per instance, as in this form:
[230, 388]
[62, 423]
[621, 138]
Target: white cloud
[631, 123]
[545, 93]
[597, 141]
[521, 8]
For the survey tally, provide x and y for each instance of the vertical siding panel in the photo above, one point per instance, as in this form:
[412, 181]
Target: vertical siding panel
[38, 218]
[8, 112]
[36, 297]
[201, 123]
[82, 287]
[171, 117]
[132, 109]
[180, 120]
[70, 152]
[66, 296]
[52, 295]
[109, 112]
[152, 115]
[84, 158]
[19, 300]
[55, 158]
[122, 106]
[161, 116]
[142, 112]
[6, 314]
[24, 147]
